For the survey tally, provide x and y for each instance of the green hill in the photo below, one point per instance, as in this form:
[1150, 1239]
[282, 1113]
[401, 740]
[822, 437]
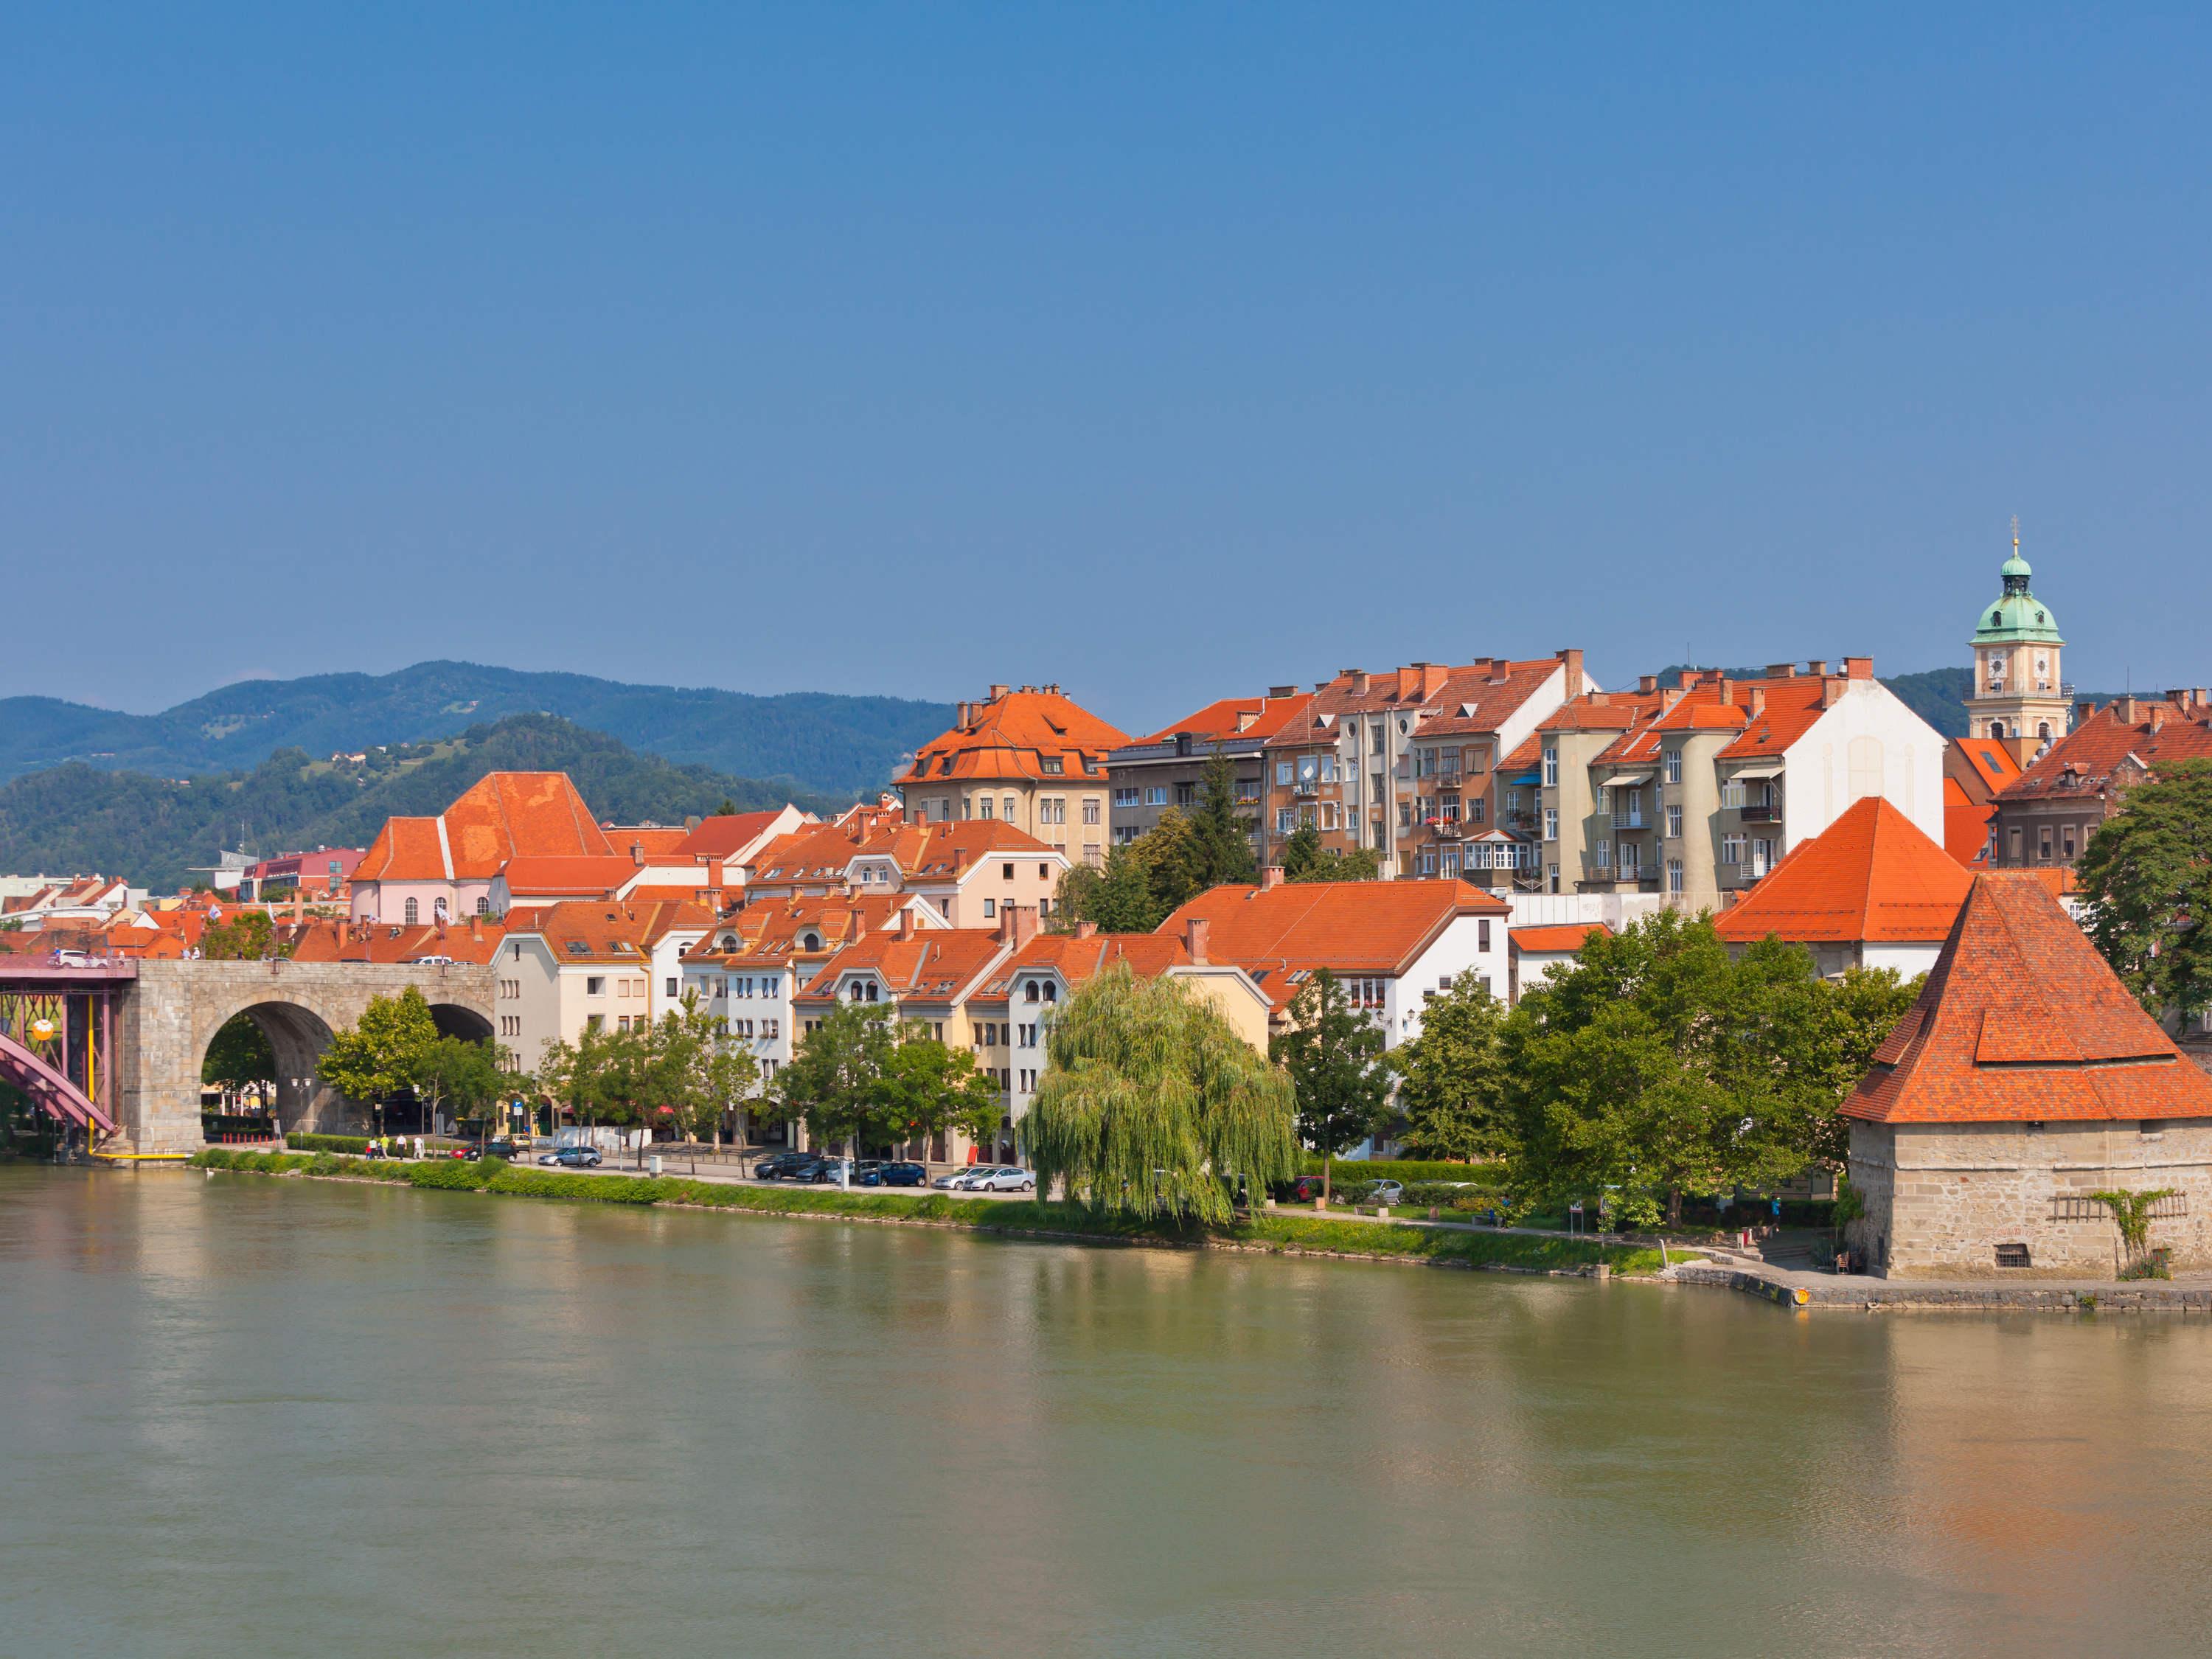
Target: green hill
[845, 746]
[152, 830]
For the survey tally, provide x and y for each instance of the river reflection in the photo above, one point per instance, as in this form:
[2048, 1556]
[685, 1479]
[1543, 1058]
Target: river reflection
[247, 1416]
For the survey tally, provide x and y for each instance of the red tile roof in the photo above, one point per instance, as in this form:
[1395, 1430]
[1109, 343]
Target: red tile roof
[1475, 696]
[655, 840]
[933, 965]
[725, 834]
[1565, 936]
[1025, 735]
[1965, 826]
[776, 928]
[502, 815]
[1992, 761]
[1347, 927]
[1079, 959]
[581, 930]
[1234, 717]
[342, 941]
[2154, 733]
[1871, 875]
[2021, 1021]
[530, 877]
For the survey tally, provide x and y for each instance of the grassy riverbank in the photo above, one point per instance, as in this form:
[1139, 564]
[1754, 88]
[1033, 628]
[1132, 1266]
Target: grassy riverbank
[1274, 1229]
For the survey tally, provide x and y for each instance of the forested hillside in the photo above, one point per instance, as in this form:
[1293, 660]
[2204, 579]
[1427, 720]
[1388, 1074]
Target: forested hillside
[838, 743]
[77, 818]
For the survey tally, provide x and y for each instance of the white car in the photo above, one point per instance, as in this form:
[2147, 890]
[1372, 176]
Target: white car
[1005, 1178]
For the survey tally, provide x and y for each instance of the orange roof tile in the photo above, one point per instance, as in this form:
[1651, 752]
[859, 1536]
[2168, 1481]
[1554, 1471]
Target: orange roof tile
[539, 877]
[1871, 875]
[593, 930]
[1564, 936]
[501, 815]
[341, 941]
[1025, 734]
[655, 840]
[933, 965]
[725, 834]
[1965, 826]
[1077, 959]
[2160, 732]
[2022, 1021]
[1347, 927]
[1234, 717]
[1991, 761]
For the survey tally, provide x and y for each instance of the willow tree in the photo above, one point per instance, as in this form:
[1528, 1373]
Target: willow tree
[1151, 1104]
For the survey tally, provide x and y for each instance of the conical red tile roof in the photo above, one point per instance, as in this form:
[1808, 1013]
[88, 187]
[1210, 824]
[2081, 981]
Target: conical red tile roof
[2021, 1021]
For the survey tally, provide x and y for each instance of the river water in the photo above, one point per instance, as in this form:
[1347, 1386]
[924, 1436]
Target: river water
[245, 1417]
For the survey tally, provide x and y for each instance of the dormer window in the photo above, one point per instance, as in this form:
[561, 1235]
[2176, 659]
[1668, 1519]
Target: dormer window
[1029, 991]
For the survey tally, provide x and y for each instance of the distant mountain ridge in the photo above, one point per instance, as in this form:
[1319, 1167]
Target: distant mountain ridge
[819, 740]
[76, 818]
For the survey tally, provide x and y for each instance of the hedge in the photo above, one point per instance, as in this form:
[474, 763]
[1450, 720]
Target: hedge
[306, 1143]
[1271, 1229]
[1408, 1170]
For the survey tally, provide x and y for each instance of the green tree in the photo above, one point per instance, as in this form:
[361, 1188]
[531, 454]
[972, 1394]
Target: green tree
[1151, 1103]
[383, 1053]
[2148, 876]
[1333, 1054]
[1119, 898]
[1451, 1085]
[929, 1088]
[239, 1054]
[1304, 859]
[1658, 1065]
[570, 1075]
[1220, 833]
[835, 1074]
[248, 936]
[465, 1077]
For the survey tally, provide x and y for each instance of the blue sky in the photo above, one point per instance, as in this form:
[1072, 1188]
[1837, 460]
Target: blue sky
[1162, 352]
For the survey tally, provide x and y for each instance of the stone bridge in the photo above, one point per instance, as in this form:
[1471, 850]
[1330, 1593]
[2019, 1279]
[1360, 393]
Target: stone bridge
[172, 1010]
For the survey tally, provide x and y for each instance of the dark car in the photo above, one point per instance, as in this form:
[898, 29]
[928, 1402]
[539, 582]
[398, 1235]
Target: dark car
[1299, 1189]
[898, 1175]
[500, 1147]
[789, 1166]
[868, 1172]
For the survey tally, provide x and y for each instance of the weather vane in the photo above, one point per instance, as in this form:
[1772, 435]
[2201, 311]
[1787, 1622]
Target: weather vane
[2016, 533]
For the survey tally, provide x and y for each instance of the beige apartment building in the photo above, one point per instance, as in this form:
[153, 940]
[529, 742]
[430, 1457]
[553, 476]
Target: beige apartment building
[581, 966]
[1029, 756]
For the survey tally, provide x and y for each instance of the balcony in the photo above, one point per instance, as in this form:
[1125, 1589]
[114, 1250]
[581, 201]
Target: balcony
[1516, 820]
[1307, 788]
[1765, 812]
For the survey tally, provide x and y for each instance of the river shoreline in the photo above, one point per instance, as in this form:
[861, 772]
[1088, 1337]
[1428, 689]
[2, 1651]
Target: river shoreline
[1272, 1233]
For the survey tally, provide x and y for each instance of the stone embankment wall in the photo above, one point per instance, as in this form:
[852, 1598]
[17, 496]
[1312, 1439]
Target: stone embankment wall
[1942, 1198]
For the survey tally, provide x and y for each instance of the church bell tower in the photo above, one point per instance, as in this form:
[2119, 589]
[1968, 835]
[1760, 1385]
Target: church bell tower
[2019, 695]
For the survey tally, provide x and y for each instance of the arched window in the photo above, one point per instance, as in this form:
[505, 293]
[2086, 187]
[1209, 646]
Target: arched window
[813, 942]
[871, 991]
[2043, 731]
[856, 990]
[1030, 992]
[1997, 728]
[483, 906]
[414, 913]
[1051, 992]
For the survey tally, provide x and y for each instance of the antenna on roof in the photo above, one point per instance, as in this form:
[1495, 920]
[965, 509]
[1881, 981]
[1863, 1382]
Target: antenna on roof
[2015, 535]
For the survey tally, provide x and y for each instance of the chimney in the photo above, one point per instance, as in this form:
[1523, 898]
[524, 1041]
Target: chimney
[963, 712]
[997, 692]
[1816, 667]
[1782, 670]
[2158, 711]
[1358, 677]
[1572, 662]
[476, 926]
[1754, 700]
[906, 922]
[1194, 939]
[1858, 668]
[1270, 877]
[1647, 684]
[637, 853]
[1600, 699]
[1727, 690]
[1433, 676]
[2130, 710]
[1025, 922]
[1832, 689]
[1282, 690]
[1086, 930]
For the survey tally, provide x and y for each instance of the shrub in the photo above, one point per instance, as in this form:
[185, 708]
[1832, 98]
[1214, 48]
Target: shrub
[1408, 1170]
[304, 1143]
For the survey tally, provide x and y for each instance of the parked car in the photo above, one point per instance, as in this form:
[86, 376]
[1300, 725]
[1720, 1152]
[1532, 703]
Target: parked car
[826, 1170]
[1005, 1178]
[573, 1157]
[953, 1177]
[786, 1166]
[901, 1175]
[1299, 1190]
[1386, 1192]
[500, 1147]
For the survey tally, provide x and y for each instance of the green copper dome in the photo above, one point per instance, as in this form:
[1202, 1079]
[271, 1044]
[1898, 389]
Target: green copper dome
[2017, 615]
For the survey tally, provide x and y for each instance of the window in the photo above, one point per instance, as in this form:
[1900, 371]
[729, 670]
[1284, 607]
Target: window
[1551, 823]
[483, 905]
[1551, 769]
[984, 807]
[1091, 809]
[2014, 841]
[414, 913]
[1482, 935]
[1762, 854]
[2043, 843]
[1286, 820]
[1731, 849]
[674, 989]
[1051, 992]
[1732, 793]
[1674, 766]
[1602, 853]
[1053, 765]
[1328, 768]
[1007, 809]
[1427, 862]
[990, 909]
[1474, 812]
[1673, 875]
[1376, 733]
[1125, 797]
[595, 1022]
[1450, 864]
[595, 986]
[2012, 1255]
[1328, 815]
[1673, 823]
[1156, 795]
[1282, 774]
[2066, 834]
